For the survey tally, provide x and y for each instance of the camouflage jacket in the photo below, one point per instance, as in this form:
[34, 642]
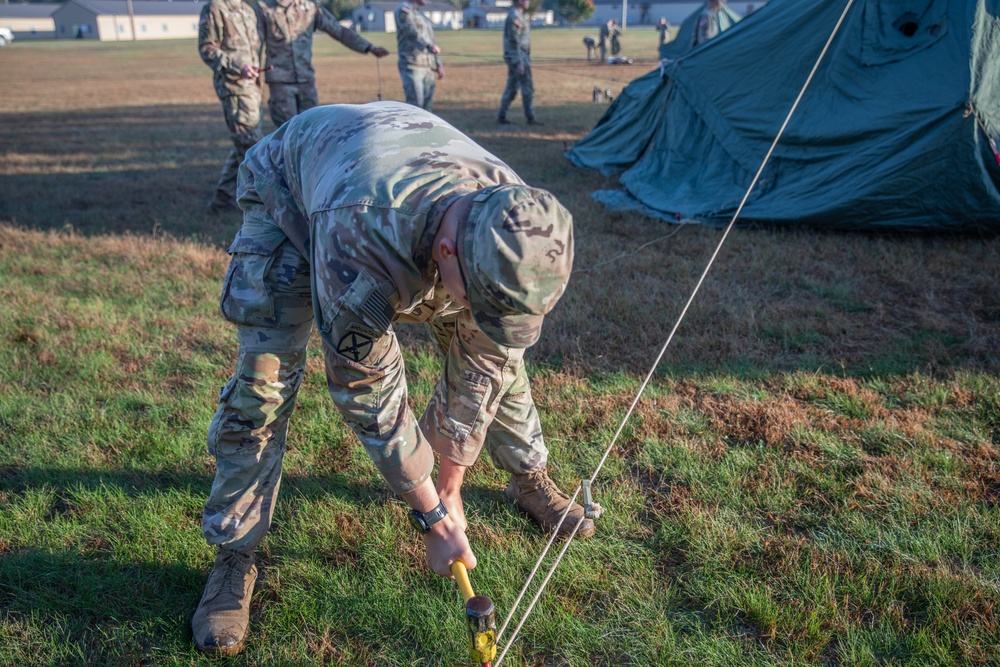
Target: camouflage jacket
[288, 27]
[360, 190]
[414, 36]
[516, 40]
[229, 37]
[706, 28]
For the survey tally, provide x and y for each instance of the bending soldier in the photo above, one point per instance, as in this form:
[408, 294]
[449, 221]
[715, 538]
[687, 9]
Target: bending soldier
[349, 223]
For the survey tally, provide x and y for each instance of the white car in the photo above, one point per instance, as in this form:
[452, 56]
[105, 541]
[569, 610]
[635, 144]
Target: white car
[6, 36]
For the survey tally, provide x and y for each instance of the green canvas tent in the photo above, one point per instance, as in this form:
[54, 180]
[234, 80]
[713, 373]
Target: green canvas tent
[681, 43]
[894, 132]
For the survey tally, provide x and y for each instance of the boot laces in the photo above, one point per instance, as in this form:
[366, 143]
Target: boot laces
[542, 484]
[233, 569]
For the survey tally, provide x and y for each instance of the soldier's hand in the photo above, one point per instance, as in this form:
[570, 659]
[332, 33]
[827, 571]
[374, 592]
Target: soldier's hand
[249, 71]
[440, 72]
[445, 543]
[380, 52]
[434, 48]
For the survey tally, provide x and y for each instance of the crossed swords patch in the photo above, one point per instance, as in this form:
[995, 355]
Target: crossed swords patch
[357, 343]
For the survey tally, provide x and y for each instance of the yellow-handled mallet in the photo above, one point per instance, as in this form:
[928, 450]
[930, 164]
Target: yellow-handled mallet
[479, 618]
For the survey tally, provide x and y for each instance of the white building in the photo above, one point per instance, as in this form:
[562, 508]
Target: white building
[493, 14]
[648, 12]
[109, 20]
[29, 20]
[380, 16]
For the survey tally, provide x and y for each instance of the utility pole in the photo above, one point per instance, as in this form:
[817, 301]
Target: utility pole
[131, 18]
[624, 14]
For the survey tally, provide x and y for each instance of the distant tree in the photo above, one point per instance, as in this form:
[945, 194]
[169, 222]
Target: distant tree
[576, 11]
[341, 8]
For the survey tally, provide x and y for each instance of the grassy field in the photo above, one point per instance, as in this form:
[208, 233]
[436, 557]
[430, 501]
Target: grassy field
[812, 478]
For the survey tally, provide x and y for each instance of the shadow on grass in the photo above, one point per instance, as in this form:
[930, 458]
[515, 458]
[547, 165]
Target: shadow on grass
[153, 169]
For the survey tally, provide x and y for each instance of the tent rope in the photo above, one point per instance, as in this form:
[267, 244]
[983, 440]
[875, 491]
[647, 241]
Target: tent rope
[663, 350]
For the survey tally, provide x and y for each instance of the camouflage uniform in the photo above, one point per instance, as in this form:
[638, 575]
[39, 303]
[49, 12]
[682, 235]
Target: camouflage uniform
[417, 65]
[602, 39]
[288, 32]
[517, 54]
[229, 38]
[342, 206]
[706, 28]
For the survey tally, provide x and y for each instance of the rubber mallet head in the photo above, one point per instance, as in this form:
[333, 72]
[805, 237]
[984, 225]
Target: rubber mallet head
[479, 618]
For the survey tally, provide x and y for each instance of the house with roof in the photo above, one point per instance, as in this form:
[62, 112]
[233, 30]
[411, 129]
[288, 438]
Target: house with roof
[380, 16]
[109, 20]
[649, 12]
[29, 20]
[493, 14]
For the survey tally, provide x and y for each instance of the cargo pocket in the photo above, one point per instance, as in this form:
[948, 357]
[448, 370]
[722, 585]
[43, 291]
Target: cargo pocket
[246, 297]
[465, 402]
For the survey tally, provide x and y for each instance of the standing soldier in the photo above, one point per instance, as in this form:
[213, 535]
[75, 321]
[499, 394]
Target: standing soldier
[230, 42]
[288, 33]
[362, 217]
[517, 55]
[602, 38]
[663, 27]
[419, 56]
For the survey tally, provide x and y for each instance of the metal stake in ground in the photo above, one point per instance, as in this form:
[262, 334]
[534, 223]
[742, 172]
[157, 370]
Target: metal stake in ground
[479, 619]
[378, 68]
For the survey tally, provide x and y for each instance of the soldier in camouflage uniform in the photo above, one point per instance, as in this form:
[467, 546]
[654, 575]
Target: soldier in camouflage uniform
[230, 42]
[359, 217]
[708, 25]
[517, 55]
[419, 56]
[288, 33]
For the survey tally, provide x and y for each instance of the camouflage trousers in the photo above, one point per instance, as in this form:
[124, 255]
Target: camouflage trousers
[267, 294]
[527, 86]
[418, 85]
[242, 114]
[286, 100]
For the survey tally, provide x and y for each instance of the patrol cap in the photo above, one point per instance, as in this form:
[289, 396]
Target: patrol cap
[516, 255]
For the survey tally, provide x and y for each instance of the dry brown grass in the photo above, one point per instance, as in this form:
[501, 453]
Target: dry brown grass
[109, 138]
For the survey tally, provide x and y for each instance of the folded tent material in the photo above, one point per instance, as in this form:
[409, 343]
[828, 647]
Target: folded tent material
[883, 137]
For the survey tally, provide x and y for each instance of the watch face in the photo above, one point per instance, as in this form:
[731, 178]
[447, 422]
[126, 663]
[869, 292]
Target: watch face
[418, 522]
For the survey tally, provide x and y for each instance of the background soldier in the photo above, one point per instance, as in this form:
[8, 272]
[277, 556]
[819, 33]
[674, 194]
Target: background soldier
[608, 32]
[517, 55]
[419, 56]
[288, 33]
[663, 28]
[591, 45]
[707, 26]
[473, 252]
[230, 42]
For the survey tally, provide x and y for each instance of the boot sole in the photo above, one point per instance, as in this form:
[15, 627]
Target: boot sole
[222, 650]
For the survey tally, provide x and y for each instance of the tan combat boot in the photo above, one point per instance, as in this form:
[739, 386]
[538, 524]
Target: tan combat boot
[220, 622]
[535, 494]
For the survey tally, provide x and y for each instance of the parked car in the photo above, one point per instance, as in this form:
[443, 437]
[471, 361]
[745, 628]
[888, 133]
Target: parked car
[6, 36]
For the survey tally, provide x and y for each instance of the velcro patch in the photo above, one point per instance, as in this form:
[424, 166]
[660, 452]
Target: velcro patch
[367, 332]
[355, 346]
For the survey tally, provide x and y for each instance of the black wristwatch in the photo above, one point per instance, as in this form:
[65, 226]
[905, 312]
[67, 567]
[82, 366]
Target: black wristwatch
[422, 521]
